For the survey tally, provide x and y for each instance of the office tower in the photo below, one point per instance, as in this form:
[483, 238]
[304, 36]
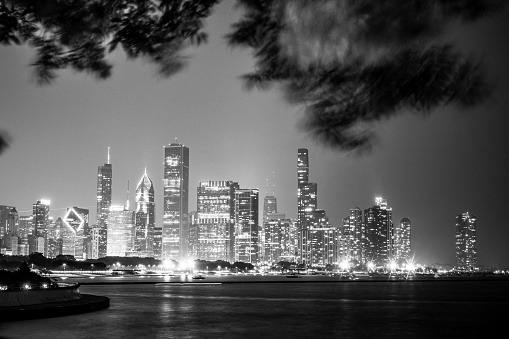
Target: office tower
[73, 233]
[316, 235]
[40, 224]
[466, 247]
[192, 250]
[55, 241]
[25, 230]
[380, 232]
[321, 247]
[246, 225]
[9, 223]
[273, 228]
[216, 220]
[104, 184]
[145, 218]
[349, 246]
[269, 207]
[120, 232]
[289, 240]
[176, 198]
[402, 244]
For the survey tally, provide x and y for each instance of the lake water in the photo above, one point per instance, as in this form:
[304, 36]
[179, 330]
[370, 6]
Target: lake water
[297, 308]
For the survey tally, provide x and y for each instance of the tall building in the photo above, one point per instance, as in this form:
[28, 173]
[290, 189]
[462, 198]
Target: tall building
[466, 247]
[25, 232]
[145, 218]
[104, 182]
[380, 233]
[56, 231]
[216, 220]
[176, 198]
[352, 233]
[73, 233]
[402, 241]
[120, 232]
[9, 224]
[316, 236]
[246, 246]
[40, 224]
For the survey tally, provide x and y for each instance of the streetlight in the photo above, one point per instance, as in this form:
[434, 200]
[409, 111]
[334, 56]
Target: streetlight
[92, 266]
[64, 267]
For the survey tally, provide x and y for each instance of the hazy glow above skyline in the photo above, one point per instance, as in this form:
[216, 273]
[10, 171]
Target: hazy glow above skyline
[429, 169]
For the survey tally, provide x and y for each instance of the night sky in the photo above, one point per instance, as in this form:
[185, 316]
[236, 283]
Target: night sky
[429, 168]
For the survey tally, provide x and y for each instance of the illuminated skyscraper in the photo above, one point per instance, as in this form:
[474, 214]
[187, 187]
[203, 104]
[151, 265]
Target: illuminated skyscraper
[41, 224]
[351, 237]
[104, 182]
[466, 247]
[176, 198]
[402, 246]
[380, 232]
[73, 233]
[9, 224]
[246, 225]
[120, 231]
[145, 218]
[317, 238]
[216, 220]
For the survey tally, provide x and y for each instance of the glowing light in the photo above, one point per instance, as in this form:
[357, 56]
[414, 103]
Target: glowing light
[393, 265]
[27, 287]
[345, 264]
[44, 285]
[45, 202]
[168, 263]
[371, 266]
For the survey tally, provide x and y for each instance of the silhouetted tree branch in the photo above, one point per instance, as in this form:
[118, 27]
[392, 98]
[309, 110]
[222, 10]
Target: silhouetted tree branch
[351, 63]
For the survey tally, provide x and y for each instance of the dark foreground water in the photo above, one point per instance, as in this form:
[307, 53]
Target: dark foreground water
[296, 309]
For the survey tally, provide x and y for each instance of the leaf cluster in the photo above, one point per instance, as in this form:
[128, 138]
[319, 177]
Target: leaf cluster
[80, 33]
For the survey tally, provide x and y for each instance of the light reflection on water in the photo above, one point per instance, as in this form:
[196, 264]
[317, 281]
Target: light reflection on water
[272, 310]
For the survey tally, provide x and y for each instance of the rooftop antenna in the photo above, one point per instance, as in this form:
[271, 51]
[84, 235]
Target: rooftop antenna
[266, 187]
[108, 154]
[127, 204]
[273, 184]
[176, 141]
[145, 171]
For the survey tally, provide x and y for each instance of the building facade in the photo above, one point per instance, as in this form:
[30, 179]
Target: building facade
[380, 233]
[176, 198]
[120, 232]
[145, 218]
[402, 241]
[40, 224]
[104, 185]
[466, 241]
[215, 220]
[246, 242]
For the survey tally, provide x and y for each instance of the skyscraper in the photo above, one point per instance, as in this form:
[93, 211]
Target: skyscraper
[402, 240]
[41, 224]
[73, 234]
[9, 223]
[176, 198]
[246, 225]
[104, 182]
[145, 218]
[120, 231]
[216, 220]
[466, 247]
[380, 232]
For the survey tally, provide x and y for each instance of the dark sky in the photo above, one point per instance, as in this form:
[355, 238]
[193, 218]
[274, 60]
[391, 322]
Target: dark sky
[429, 168]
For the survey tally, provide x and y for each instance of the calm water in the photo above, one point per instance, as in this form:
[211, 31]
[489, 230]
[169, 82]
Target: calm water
[298, 309]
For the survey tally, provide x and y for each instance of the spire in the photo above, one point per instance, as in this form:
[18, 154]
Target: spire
[145, 174]
[273, 184]
[266, 187]
[108, 154]
[127, 204]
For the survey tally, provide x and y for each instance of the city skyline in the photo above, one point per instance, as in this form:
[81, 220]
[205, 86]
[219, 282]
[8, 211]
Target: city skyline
[430, 170]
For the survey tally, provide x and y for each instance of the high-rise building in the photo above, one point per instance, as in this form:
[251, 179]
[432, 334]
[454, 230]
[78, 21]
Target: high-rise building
[25, 231]
[216, 220]
[104, 182]
[316, 235]
[41, 224]
[246, 225]
[402, 243]
[349, 246]
[73, 233]
[9, 224]
[145, 218]
[466, 247]
[56, 231]
[120, 231]
[380, 233]
[176, 198]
